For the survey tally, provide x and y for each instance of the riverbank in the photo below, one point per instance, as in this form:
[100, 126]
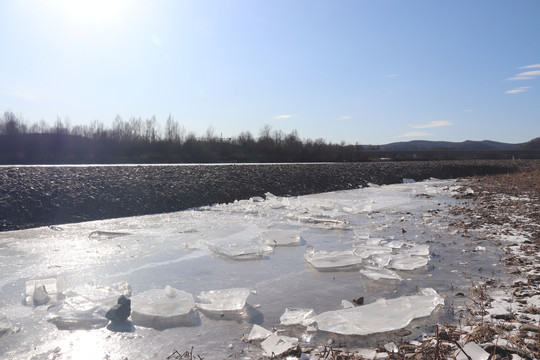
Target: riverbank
[38, 196]
[498, 319]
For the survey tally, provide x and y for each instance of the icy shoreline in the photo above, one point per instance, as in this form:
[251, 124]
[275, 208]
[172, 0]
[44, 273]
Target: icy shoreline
[374, 226]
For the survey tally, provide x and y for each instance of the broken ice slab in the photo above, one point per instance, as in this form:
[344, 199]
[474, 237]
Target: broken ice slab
[294, 316]
[258, 333]
[369, 250]
[408, 181]
[281, 238]
[407, 262]
[225, 301]
[245, 251]
[163, 308]
[40, 296]
[103, 295]
[334, 260]
[77, 313]
[380, 316]
[382, 259]
[105, 235]
[276, 345]
[377, 273]
[326, 222]
[418, 250]
[471, 351]
[395, 244]
[54, 285]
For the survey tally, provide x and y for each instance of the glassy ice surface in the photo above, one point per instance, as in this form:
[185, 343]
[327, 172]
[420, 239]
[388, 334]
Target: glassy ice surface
[166, 263]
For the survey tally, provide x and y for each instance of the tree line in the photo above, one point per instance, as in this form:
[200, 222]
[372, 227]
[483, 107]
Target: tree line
[140, 140]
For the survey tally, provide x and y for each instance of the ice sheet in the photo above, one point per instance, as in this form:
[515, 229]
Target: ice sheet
[380, 316]
[348, 228]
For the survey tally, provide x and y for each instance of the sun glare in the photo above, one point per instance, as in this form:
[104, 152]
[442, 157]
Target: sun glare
[91, 12]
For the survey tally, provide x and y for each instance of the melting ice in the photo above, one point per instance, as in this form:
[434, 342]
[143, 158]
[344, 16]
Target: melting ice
[302, 257]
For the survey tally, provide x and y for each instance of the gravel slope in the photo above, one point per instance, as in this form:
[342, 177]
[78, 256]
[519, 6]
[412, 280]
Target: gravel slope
[38, 196]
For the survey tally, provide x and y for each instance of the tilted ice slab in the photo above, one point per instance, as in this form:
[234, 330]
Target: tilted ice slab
[40, 289]
[245, 251]
[408, 262]
[103, 295]
[77, 313]
[334, 260]
[293, 316]
[377, 273]
[163, 308]
[276, 345]
[223, 301]
[106, 235]
[281, 238]
[258, 333]
[380, 316]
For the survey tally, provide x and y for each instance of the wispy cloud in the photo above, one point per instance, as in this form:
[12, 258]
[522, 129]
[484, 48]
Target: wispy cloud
[534, 66]
[345, 117]
[518, 90]
[432, 124]
[414, 134]
[526, 75]
[286, 116]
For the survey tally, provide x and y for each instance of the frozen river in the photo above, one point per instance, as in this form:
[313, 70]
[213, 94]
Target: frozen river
[390, 245]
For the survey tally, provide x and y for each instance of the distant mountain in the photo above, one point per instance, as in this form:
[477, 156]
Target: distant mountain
[485, 145]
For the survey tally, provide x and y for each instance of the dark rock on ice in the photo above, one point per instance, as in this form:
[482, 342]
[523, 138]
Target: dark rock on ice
[120, 311]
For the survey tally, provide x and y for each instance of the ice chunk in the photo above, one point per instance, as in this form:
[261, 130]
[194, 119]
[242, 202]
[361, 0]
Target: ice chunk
[473, 351]
[382, 259]
[77, 313]
[368, 250]
[53, 285]
[346, 304]
[374, 241]
[408, 181]
[223, 301]
[294, 316]
[258, 333]
[326, 222]
[396, 244]
[40, 296]
[163, 308]
[407, 262]
[245, 251]
[276, 345]
[281, 238]
[105, 235]
[380, 316]
[391, 347]
[334, 260]
[377, 273]
[106, 296]
[419, 250]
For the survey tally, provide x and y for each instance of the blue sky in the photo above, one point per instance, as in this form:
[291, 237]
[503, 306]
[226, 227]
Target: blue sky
[371, 72]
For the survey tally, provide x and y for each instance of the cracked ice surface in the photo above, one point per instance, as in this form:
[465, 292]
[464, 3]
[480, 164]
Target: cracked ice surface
[163, 261]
